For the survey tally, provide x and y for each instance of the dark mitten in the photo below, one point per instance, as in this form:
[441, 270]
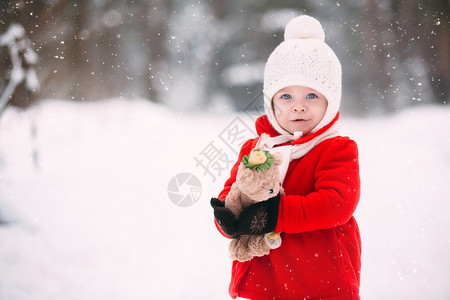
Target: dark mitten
[224, 217]
[260, 217]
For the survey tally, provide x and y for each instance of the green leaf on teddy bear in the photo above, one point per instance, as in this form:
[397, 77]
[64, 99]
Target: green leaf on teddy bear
[264, 166]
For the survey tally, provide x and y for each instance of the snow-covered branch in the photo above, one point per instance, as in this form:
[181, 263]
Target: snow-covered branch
[23, 59]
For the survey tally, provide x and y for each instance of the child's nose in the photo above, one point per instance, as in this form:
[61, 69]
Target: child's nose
[299, 106]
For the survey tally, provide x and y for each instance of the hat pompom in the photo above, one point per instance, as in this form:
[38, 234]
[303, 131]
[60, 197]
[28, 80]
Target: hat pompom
[304, 27]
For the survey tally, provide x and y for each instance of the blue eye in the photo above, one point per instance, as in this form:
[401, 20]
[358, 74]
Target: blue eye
[286, 96]
[311, 96]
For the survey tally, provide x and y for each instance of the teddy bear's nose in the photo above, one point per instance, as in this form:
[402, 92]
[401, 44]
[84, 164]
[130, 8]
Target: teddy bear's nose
[270, 191]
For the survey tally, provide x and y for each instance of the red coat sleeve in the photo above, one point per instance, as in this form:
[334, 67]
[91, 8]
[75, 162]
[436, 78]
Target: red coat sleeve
[336, 192]
[245, 150]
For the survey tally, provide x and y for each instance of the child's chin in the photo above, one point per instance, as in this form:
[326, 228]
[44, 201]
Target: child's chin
[295, 129]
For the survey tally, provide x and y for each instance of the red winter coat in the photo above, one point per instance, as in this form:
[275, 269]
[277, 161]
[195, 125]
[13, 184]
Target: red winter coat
[319, 257]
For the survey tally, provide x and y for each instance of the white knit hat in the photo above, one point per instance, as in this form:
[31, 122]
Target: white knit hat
[303, 59]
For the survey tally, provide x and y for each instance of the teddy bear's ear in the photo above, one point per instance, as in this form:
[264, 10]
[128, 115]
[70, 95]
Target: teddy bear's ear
[244, 175]
[277, 158]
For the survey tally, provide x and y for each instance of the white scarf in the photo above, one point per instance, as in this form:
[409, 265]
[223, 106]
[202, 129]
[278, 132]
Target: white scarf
[291, 152]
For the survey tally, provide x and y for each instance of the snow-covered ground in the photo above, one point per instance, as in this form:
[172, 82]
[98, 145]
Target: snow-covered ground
[88, 214]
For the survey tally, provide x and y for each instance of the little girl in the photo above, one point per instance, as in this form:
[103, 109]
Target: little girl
[320, 254]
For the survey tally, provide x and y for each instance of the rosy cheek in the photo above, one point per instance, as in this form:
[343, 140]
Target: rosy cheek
[277, 110]
[277, 114]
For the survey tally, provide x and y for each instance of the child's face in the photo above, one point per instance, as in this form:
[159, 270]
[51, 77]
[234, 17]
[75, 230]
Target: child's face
[299, 108]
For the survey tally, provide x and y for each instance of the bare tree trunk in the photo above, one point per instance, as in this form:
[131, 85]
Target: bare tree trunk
[377, 52]
[157, 33]
[77, 53]
[435, 47]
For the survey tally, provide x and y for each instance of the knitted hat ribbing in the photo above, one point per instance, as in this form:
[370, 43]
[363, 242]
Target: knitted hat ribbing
[303, 58]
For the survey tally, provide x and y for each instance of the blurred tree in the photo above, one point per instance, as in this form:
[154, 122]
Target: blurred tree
[191, 54]
[18, 79]
[435, 45]
[93, 49]
[394, 53]
[406, 52]
[380, 53]
[156, 30]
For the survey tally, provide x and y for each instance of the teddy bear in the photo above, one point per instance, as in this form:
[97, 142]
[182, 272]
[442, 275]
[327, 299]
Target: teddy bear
[257, 179]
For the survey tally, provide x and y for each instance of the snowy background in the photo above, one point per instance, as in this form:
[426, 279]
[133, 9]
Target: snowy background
[86, 213]
[151, 89]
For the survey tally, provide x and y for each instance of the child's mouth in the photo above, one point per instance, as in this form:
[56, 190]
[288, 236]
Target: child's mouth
[299, 120]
